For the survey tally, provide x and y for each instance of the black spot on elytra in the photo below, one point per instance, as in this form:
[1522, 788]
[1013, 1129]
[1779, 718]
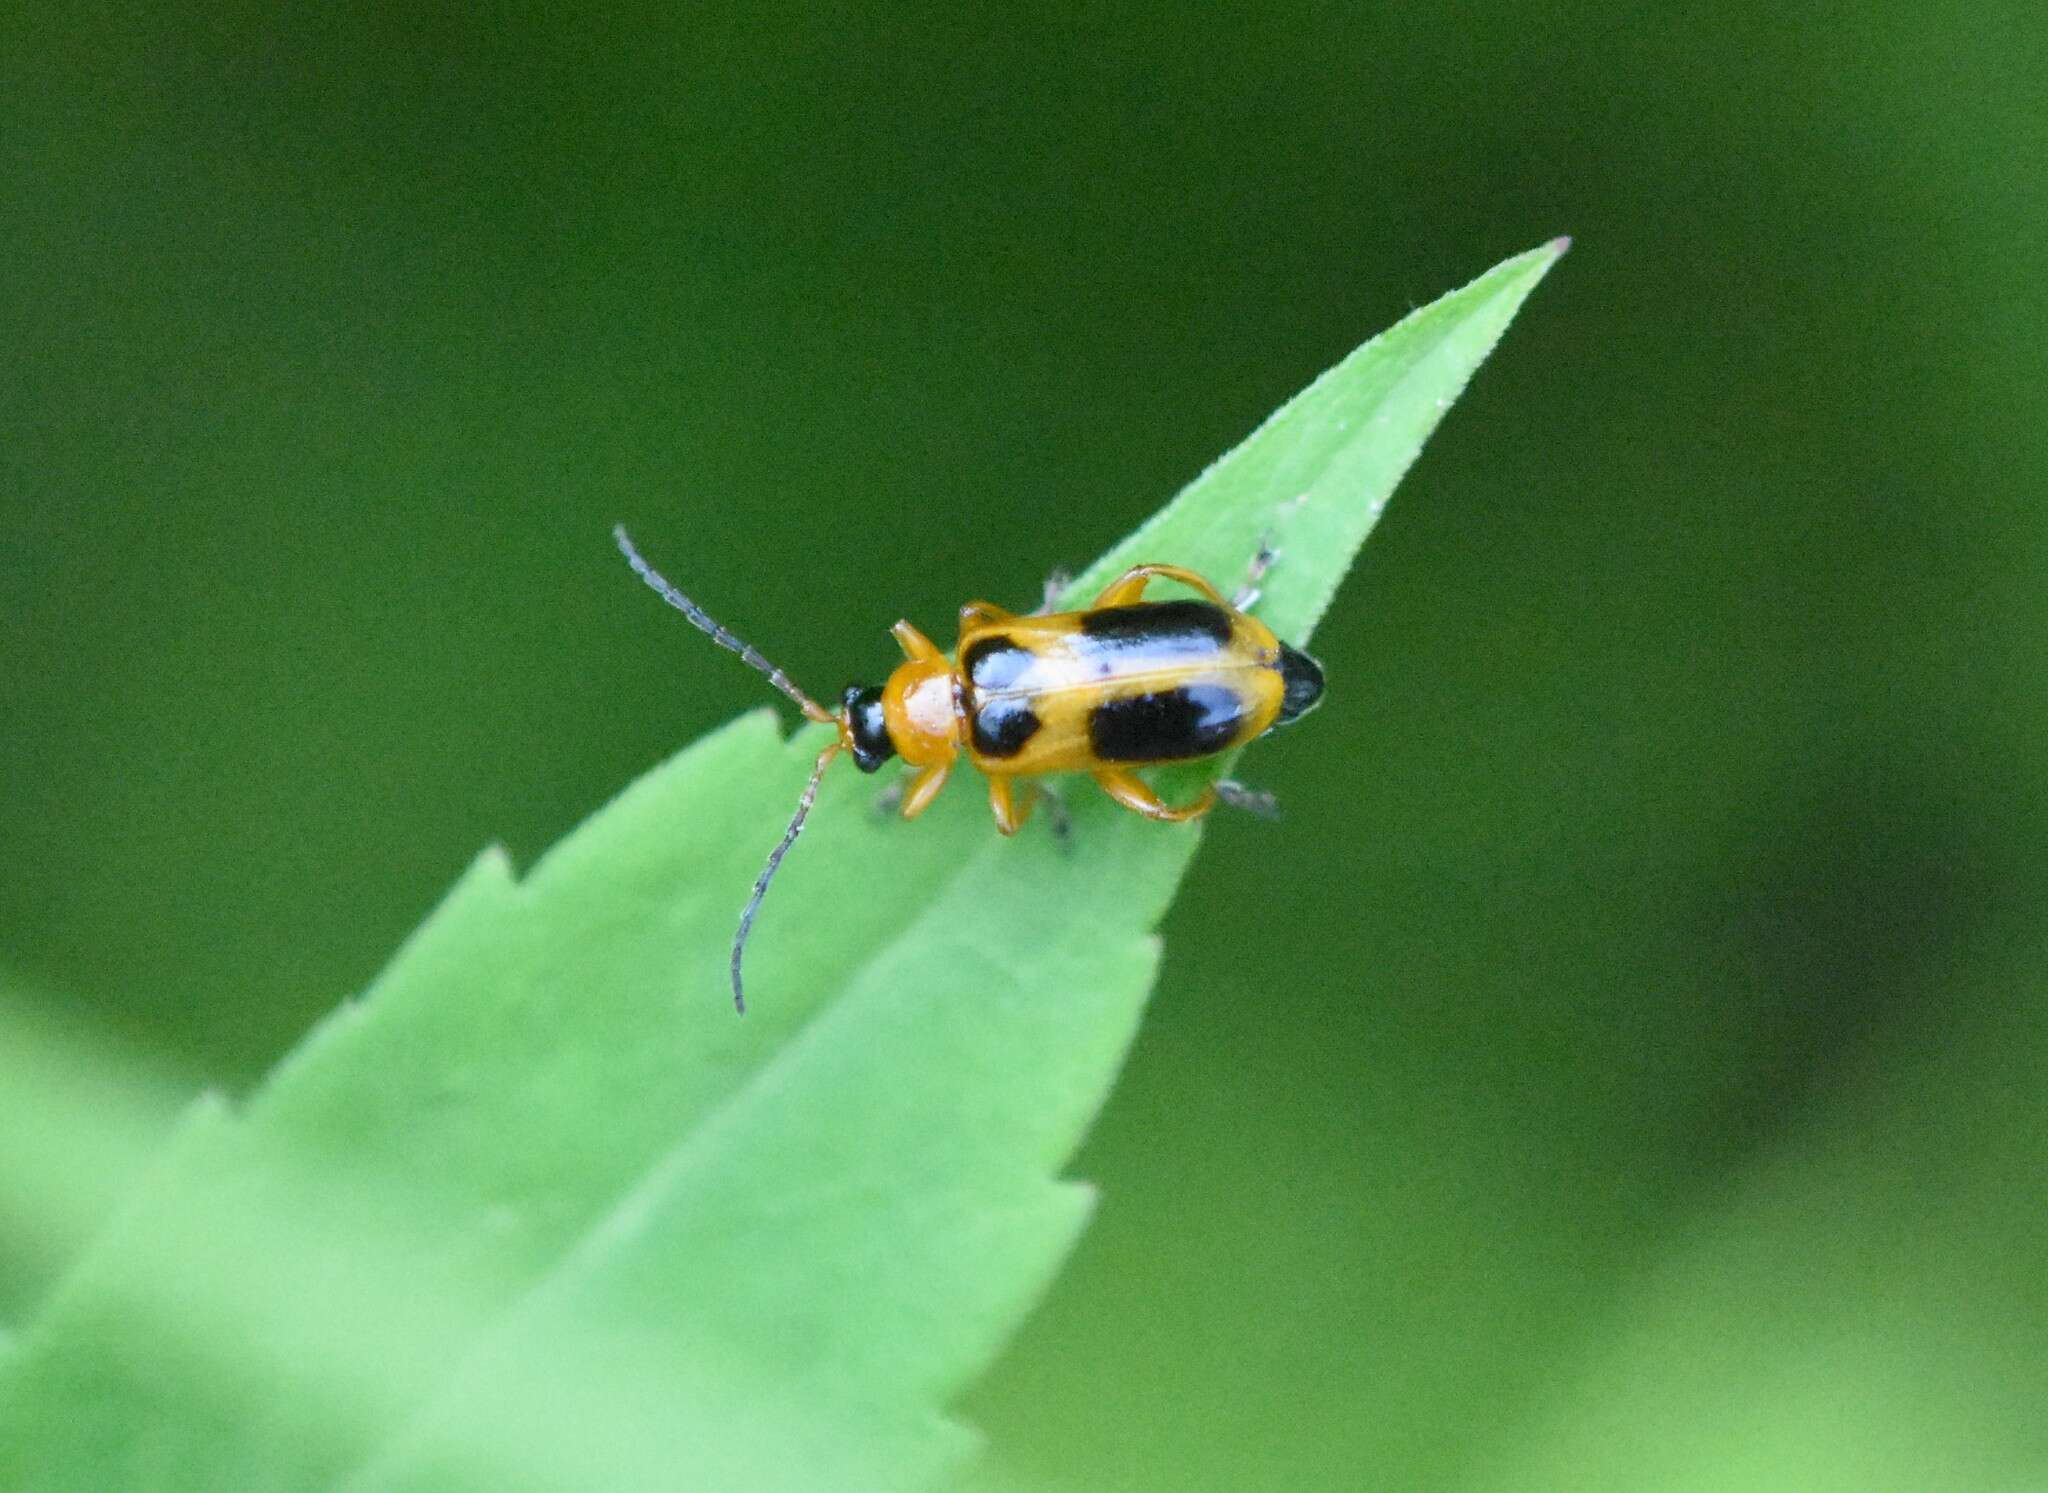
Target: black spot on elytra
[1002, 726]
[1167, 622]
[996, 662]
[1170, 725]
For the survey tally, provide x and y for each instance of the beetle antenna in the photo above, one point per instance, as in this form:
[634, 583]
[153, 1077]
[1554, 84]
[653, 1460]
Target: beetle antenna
[711, 627]
[796, 827]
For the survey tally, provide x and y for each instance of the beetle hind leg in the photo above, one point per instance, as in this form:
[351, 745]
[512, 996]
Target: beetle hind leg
[1130, 790]
[1129, 588]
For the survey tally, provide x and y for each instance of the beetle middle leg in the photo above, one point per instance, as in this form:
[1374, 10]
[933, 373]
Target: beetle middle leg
[1012, 802]
[1002, 802]
[1056, 812]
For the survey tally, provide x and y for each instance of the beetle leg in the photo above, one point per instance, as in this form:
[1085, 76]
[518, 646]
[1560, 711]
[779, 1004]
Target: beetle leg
[1002, 802]
[890, 798]
[1129, 587]
[915, 645]
[924, 788]
[1012, 803]
[1126, 588]
[981, 614]
[1254, 801]
[1248, 593]
[1055, 811]
[1055, 584]
[1128, 789]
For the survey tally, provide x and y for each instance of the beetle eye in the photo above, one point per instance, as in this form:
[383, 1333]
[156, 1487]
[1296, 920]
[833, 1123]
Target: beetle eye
[868, 726]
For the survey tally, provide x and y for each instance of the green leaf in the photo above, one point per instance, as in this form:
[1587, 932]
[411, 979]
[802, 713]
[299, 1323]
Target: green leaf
[540, 1211]
[77, 1127]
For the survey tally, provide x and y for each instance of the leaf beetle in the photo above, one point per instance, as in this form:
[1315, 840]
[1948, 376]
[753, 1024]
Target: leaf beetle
[1121, 684]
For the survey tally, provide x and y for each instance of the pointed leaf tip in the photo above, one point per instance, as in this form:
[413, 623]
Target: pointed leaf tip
[539, 1194]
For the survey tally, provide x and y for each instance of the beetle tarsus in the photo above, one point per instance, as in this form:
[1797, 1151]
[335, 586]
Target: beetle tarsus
[1254, 801]
[1055, 587]
[1056, 816]
[1248, 591]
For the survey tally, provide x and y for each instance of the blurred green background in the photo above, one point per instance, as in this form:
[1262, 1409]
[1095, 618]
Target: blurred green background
[1628, 1063]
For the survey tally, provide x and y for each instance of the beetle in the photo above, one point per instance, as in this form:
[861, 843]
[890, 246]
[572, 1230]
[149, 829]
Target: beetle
[1121, 684]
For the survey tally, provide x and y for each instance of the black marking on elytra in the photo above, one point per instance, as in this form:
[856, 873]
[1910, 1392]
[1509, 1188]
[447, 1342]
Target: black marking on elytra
[996, 662]
[1182, 625]
[868, 726]
[1002, 725]
[1301, 684]
[1170, 725]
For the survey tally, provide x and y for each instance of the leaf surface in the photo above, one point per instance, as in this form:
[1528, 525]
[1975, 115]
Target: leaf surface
[539, 1211]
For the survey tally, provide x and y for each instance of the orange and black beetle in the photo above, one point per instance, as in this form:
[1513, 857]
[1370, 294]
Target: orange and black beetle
[1123, 684]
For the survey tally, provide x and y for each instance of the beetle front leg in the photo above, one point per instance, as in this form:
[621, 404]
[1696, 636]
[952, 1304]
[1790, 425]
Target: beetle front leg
[924, 788]
[915, 645]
